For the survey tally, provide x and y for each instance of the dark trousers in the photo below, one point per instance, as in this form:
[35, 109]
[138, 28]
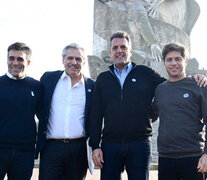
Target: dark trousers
[63, 161]
[180, 168]
[16, 164]
[134, 157]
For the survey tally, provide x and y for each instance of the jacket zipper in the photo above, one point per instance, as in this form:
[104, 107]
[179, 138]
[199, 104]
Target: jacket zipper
[119, 81]
[123, 139]
[119, 84]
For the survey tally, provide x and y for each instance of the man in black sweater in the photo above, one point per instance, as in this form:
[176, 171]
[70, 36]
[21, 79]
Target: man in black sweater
[20, 98]
[123, 97]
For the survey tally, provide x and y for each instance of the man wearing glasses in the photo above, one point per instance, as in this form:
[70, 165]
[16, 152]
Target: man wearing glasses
[67, 97]
[20, 99]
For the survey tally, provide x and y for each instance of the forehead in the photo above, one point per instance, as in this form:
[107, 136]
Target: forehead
[74, 52]
[173, 54]
[17, 53]
[119, 42]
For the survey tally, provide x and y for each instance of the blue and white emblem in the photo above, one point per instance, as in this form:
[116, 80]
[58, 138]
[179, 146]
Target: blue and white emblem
[89, 90]
[134, 80]
[186, 95]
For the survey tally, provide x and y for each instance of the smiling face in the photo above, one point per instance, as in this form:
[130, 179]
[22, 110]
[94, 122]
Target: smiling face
[73, 62]
[175, 66]
[17, 63]
[120, 52]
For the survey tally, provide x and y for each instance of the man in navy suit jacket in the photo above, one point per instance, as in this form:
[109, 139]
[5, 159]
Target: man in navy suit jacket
[67, 95]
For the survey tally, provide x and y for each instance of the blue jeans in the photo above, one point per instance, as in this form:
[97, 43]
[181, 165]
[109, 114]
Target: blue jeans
[16, 164]
[134, 157]
[180, 168]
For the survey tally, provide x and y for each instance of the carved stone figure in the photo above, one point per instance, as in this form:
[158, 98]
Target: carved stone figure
[151, 24]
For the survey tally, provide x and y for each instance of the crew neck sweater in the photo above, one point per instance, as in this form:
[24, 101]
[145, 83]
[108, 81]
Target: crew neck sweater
[20, 100]
[183, 114]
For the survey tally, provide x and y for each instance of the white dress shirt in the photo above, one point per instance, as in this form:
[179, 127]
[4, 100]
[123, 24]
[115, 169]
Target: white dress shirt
[12, 77]
[67, 112]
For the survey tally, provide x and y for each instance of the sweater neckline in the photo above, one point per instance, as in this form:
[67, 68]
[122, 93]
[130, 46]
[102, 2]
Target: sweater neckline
[179, 81]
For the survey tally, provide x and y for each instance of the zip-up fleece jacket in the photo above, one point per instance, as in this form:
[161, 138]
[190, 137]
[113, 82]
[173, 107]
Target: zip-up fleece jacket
[122, 114]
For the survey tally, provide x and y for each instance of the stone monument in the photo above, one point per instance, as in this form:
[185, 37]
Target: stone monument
[150, 23]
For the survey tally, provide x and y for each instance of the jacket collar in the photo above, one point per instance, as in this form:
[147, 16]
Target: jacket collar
[112, 67]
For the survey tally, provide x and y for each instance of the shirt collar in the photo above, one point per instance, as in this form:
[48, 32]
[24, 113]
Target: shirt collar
[12, 77]
[125, 68]
[82, 80]
[64, 75]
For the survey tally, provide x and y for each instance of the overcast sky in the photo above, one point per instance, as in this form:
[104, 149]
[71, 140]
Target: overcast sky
[48, 25]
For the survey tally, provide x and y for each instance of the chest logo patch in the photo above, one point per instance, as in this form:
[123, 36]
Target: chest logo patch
[186, 95]
[32, 93]
[134, 80]
[89, 90]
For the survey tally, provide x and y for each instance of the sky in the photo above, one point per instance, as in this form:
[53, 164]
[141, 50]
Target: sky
[47, 26]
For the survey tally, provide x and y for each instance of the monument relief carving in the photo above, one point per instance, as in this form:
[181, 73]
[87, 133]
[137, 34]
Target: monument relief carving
[151, 24]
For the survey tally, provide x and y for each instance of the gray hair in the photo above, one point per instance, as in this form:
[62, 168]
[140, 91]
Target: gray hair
[75, 46]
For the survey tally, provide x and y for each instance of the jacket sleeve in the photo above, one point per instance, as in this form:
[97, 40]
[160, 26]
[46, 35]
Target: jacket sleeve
[158, 79]
[40, 115]
[96, 115]
[154, 108]
[203, 103]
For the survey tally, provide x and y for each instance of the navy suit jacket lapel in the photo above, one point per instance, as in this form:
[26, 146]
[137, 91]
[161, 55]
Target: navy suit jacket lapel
[88, 90]
[52, 88]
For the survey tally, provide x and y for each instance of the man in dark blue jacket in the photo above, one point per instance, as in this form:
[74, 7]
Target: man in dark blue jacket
[123, 96]
[67, 96]
[20, 100]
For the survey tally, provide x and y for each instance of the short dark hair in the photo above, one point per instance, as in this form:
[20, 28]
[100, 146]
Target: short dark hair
[120, 34]
[18, 46]
[173, 47]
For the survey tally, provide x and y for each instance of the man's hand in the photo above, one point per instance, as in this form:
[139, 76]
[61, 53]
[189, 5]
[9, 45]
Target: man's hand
[202, 163]
[200, 79]
[156, 52]
[152, 12]
[98, 157]
[152, 8]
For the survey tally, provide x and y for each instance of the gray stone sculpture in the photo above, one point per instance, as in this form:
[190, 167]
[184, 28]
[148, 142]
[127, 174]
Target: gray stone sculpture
[151, 24]
[193, 67]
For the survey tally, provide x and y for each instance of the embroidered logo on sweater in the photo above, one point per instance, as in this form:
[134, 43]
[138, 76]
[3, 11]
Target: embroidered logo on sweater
[32, 93]
[134, 80]
[186, 95]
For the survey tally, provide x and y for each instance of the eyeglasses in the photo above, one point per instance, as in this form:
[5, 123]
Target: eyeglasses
[19, 59]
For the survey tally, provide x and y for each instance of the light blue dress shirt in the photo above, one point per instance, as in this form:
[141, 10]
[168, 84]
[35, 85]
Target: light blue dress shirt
[122, 76]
